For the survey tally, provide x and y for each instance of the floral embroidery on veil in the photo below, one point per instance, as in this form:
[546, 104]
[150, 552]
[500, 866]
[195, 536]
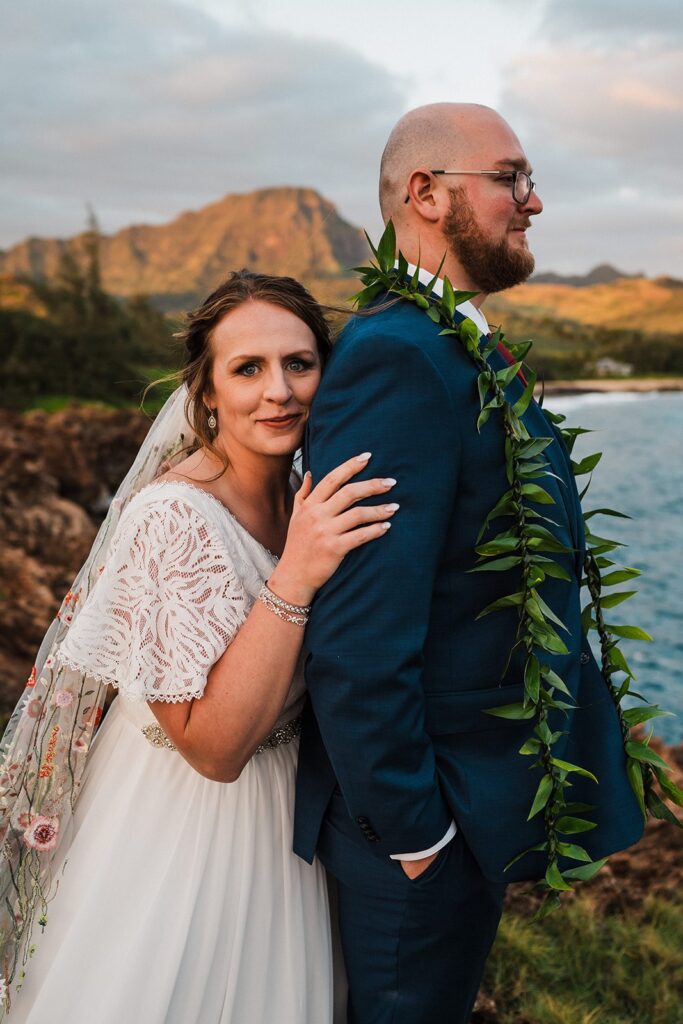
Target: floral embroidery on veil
[46, 743]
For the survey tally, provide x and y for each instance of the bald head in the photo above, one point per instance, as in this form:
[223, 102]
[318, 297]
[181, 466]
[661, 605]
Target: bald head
[436, 135]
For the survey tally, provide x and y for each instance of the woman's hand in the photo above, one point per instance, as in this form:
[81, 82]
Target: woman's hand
[326, 524]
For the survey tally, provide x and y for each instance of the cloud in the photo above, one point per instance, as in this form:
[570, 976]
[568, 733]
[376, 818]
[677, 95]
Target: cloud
[150, 108]
[598, 109]
[627, 110]
[637, 235]
[613, 23]
[147, 110]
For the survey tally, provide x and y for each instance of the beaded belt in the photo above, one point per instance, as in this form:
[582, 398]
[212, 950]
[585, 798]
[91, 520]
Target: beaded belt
[155, 735]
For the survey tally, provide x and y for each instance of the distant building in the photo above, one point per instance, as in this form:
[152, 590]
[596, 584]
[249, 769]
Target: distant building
[607, 367]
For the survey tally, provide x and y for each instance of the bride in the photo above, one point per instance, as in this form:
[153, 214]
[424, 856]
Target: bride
[153, 879]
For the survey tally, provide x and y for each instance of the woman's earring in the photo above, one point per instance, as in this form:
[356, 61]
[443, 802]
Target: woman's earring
[212, 421]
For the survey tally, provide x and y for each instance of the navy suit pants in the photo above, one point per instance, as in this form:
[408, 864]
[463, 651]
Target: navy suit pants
[414, 950]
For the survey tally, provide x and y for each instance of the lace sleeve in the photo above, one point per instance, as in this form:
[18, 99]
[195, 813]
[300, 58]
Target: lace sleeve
[163, 611]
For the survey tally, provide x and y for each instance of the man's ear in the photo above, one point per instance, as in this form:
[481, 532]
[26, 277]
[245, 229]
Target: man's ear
[425, 196]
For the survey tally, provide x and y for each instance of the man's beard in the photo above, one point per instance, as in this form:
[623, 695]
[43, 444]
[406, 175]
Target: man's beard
[492, 266]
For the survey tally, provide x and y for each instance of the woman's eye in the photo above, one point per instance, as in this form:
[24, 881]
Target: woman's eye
[298, 365]
[248, 369]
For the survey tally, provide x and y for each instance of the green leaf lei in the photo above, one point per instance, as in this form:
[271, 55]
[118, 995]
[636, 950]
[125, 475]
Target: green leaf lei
[526, 543]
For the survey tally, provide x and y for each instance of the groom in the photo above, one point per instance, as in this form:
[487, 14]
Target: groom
[412, 796]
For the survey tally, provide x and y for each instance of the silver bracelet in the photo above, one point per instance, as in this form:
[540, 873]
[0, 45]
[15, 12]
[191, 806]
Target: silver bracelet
[296, 609]
[294, 613]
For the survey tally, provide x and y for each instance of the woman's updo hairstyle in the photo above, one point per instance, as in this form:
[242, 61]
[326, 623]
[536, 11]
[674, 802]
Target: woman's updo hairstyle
[240, 287]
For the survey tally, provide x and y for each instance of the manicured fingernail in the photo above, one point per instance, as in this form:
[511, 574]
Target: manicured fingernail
[386, 526]
[388, 482]
[308, 473]
[392, 508]
[364, 457]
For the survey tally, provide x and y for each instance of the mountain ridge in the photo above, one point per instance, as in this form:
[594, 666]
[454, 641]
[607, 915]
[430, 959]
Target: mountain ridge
[602, 273]
[284, 230]
[297, 231]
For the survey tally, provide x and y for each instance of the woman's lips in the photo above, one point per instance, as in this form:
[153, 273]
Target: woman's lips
[282, 422]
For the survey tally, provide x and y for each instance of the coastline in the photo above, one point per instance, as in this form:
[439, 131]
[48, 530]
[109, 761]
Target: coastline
[639, 385]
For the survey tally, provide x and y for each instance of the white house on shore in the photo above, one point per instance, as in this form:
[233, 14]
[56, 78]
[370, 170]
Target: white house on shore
[607, 367]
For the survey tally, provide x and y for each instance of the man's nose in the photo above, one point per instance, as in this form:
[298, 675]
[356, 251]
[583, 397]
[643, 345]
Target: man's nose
[533, 204]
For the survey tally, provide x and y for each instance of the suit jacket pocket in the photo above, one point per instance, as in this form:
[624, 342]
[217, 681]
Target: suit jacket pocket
[464, 711]
[485, 780]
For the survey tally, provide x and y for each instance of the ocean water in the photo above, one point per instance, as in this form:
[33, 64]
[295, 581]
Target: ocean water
[641, 474]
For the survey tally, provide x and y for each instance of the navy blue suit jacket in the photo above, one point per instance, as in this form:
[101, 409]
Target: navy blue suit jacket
[400, 671]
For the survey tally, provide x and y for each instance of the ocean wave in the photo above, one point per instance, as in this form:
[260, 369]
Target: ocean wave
[567, 403]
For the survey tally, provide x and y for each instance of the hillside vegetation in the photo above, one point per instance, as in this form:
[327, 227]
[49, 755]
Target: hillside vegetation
[69, 338]
[650, 306]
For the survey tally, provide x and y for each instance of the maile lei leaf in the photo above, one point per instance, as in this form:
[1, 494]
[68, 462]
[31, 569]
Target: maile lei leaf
[527, 551]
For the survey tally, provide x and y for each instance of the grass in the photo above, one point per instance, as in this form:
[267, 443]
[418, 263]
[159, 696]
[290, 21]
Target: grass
[580, 966]
[153, 401]
[55, 403]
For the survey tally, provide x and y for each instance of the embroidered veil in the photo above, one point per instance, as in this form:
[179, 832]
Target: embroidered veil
[45, 746]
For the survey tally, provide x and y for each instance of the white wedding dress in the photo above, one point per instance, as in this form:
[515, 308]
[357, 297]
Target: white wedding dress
[180, 900]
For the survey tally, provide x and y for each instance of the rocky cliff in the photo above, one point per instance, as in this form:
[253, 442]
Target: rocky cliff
[292, 231]
[56, 472]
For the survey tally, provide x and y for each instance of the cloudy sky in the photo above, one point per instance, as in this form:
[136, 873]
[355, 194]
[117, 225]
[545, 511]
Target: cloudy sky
[147, 109]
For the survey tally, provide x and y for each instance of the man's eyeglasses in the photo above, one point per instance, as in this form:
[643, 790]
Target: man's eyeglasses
[521, 183]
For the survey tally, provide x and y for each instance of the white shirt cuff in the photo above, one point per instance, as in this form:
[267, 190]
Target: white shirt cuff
[432, 849]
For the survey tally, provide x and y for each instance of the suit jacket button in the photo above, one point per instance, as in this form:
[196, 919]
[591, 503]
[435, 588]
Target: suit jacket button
[585, 658]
